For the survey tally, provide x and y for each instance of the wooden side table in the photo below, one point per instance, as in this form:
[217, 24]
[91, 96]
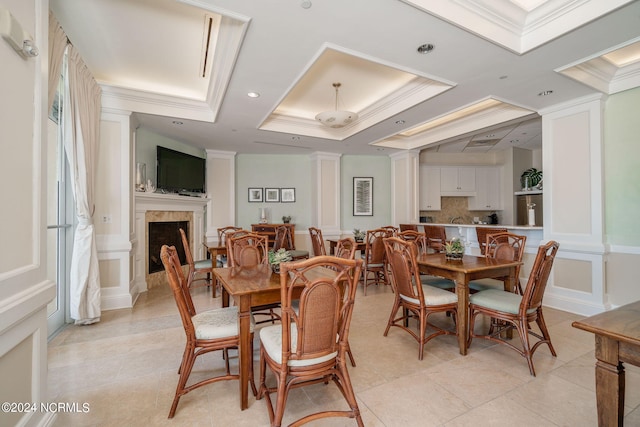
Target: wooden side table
[617, 334]
[269, 230]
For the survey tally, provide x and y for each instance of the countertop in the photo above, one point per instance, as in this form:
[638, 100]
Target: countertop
[511, 227]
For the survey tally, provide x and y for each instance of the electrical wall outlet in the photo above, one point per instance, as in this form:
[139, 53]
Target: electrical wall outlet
[106, 218]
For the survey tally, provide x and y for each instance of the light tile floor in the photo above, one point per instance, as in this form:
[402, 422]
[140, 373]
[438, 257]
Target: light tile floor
[125, 368]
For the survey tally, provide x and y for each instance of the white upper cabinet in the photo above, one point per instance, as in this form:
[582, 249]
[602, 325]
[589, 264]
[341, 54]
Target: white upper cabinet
[458, 181]
[488, 190]
[429, 188]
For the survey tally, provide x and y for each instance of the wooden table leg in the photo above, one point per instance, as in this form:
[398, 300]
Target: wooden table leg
[462, 320]
[245, 355]
[610, 383]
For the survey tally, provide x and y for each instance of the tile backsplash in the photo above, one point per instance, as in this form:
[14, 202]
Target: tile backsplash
[452, 207]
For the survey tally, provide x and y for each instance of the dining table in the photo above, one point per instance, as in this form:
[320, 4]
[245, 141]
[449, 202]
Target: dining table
[617, 341]
[249, 287]
[461, 272]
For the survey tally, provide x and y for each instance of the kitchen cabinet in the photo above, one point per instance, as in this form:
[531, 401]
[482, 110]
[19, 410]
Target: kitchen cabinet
[488, 190]
[458, 181]
[429, 188]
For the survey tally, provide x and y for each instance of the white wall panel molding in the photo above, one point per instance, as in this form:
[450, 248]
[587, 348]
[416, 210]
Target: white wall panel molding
[325, 183]
[405, 191]
[221, 190]
[573, 199]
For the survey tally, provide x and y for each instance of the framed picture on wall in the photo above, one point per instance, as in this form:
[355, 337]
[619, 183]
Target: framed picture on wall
[363, 196]
[255, 194]
[271, 194]
[287, 195]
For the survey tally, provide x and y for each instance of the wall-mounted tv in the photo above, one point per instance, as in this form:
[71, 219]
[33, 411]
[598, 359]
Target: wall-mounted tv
[180, 172]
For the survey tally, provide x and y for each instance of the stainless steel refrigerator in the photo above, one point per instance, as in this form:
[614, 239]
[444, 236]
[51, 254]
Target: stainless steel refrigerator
[522, 209]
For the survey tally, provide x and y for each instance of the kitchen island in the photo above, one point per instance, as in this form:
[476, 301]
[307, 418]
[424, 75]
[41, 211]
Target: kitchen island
[468, 232]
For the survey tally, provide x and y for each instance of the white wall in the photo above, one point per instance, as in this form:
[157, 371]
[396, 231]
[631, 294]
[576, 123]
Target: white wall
[24, 288]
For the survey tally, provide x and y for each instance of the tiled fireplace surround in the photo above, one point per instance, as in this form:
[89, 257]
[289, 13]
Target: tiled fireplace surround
[153, 207]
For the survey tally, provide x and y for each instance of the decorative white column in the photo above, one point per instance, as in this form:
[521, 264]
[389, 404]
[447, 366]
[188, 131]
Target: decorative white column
[221, 190]
[405, 187]
[325, 183]
[573, 205]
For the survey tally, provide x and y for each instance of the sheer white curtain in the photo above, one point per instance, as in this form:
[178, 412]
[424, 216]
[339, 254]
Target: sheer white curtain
[81, 126]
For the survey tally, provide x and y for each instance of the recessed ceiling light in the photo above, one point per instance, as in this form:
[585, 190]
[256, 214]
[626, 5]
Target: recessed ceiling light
[514, 141]
[295, 138]
[305, 4]
[503, 77]
[425, 48]
[545, 93]
[399, 122]
[253, 94]
[380, 149]
[176, 122]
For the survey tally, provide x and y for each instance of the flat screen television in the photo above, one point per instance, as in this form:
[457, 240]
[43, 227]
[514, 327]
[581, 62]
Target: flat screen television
[180, 172]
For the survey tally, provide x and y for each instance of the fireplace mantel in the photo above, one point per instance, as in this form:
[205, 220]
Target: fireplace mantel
[145, 202]
[168, 202]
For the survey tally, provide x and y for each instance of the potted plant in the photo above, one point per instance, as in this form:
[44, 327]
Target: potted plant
[359, 235]
[275, 258]
[454, 249]
[286, 219]
[532, 177]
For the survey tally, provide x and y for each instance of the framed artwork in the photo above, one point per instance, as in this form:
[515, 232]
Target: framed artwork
[271, 194]
[287, 195]
[362, 196]
[255, 194]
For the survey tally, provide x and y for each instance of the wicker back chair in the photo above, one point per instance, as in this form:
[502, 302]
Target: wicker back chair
[207, 331]
[420, 239]
[518, 311]
[317, 242]
[346, 248]
[393, 231]
[412, 298]
[406, 227]
[309, 347]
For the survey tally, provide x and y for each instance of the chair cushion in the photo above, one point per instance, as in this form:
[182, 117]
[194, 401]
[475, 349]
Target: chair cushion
[434, 296]
[271, 339]
[202, 264]
[437, 282]
[217, 323]
[376, 265]
[498, 300]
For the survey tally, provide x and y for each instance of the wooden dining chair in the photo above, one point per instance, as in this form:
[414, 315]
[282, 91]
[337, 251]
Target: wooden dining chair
[374, 258]
[248, 250]
[317, 242]
[406, 227]
[196, 268]
[420, 239]
[283, 240]
[310, 345]
[506, 246]
[483, 232]
[436, 236]
[206, 331]
[518, 311]
[223, 233]
[412, 298]
[346, 248]
[393, 231]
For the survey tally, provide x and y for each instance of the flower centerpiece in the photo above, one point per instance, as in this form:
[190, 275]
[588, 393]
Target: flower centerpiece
[275, 258]
[454, 249]
[358, 235]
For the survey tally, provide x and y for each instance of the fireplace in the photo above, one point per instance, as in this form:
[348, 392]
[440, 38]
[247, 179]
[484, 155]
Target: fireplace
[165, 233]
[152, 208]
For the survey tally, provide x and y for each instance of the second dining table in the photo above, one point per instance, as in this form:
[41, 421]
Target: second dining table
[250, 287]
[463, 271]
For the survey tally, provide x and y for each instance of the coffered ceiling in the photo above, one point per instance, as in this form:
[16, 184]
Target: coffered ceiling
[250, 76]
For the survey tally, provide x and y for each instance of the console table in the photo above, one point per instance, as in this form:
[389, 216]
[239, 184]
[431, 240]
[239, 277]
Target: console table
[617, 334]
[269, 230]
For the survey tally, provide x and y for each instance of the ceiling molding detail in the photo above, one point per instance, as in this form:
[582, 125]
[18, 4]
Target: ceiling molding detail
[500, 112]
[508, 24]
[601, 73]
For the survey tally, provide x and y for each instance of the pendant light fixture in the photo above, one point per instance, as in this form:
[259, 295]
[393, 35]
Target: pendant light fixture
[336, 118]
